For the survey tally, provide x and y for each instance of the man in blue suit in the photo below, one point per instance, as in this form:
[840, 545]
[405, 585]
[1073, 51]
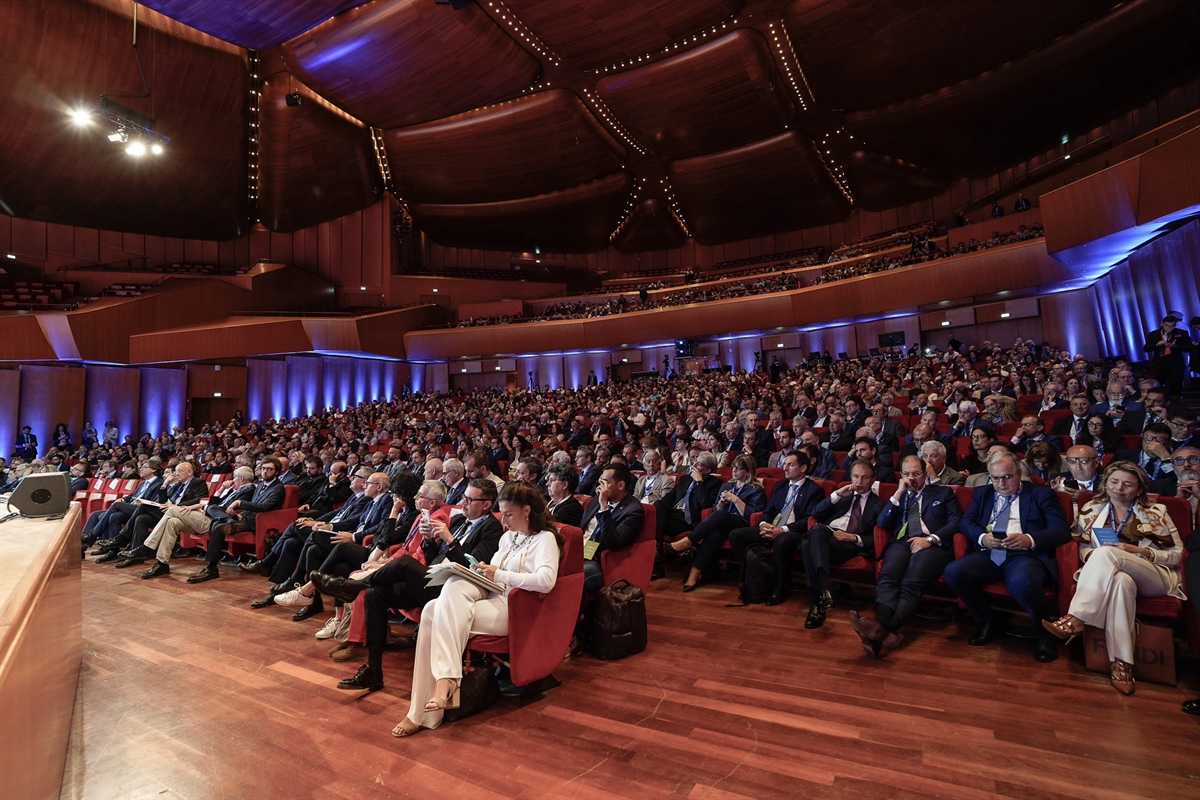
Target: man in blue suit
[1012, 531]
[921, 519]
[784, 522]
[268, 496]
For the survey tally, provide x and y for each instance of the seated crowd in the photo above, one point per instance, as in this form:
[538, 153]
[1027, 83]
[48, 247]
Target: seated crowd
[833, 462]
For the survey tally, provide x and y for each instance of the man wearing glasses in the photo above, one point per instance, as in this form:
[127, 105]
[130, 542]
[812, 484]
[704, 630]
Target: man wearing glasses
[1154, 456]
[268, 496]
[1012, 530]
[920, 519]
[1182, 460]
[1083, 472]
[1182, 422]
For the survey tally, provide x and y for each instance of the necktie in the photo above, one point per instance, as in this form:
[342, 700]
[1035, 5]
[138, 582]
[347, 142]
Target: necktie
[1078, 427]
[1001, 524]
[855, 515]
[1152, 466]
[912, 516]
[685, 505]
[785, 516]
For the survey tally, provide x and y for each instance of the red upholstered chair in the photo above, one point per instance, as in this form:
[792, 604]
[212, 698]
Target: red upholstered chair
[838, 476]
[214, 481]
[265, 524]
[540, 625]
[636, 562]
[109, 494]
[769, 472]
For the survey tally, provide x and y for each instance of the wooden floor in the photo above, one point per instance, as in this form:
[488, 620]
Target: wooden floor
[186, 692]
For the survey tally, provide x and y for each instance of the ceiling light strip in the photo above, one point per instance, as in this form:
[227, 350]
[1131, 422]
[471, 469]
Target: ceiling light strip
[611, 122]
[253, 172]
[498, 11]
[633, 61]
[791, 65]
[381, 159]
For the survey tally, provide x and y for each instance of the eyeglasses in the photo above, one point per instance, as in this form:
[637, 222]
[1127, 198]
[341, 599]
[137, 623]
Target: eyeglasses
[473, 499]
[1078, 461]
[1000, 478]
[1150, 437]
[1179, 461]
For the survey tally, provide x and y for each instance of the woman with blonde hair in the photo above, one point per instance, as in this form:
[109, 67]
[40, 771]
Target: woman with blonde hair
[528, 558]
[1129, 548]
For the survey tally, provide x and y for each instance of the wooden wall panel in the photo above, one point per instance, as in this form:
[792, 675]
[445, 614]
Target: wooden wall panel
[50, 395]
[206, 380]
[113, 394]
[163, 400]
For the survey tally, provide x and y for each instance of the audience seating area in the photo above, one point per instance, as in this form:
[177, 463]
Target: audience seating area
[39, 296]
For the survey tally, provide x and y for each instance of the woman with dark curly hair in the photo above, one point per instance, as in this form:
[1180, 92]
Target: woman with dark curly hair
[1100, 433]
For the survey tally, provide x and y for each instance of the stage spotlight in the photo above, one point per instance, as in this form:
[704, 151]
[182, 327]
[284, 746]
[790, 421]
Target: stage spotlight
[156, 149]
[136, 148]
[81, 117]
[117, 136]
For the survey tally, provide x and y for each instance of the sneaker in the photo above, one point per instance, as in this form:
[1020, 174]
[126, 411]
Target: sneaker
[329, 628]
[343, 629]
[293, 598]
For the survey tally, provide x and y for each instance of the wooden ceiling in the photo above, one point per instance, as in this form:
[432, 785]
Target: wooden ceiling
[561, 124]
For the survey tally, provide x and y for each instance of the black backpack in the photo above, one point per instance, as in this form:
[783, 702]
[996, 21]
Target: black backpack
[618, 622]
[759, 575]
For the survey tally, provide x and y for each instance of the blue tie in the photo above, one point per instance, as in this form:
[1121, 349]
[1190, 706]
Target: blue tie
[1001, 524]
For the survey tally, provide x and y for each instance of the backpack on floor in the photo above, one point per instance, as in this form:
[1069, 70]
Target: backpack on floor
[759, 576]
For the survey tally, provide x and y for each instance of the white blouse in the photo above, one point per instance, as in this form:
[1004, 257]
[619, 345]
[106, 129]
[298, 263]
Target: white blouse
[527, 562]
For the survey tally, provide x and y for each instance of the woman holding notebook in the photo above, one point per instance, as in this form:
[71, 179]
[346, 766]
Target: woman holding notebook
[1129, 547]
[528, 559]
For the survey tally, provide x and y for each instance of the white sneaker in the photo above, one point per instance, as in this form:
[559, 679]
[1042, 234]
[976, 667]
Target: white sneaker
[293, 598]
[329, 628]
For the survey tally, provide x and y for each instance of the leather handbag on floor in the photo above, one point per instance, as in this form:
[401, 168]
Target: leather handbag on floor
[618, 624]
[479, 687]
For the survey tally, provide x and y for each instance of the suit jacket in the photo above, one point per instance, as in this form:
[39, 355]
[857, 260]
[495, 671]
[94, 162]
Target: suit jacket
[950, 477]
[588, 479]
[1065, 425]
[1103, 407]
[372, 521]
[940, 512]
[616, 528]
[191, 493]
[841, 442]
[809, 496]
[754, 497]
[701, 498]
[1023, 444]
[267, 497]
[1041, 518]
[482, 543]
[580, 438]
[828, 510]
[331, 495]
[1140, 458]
[455, 493]
[347, 517]
[149, 489]
[883, 467]
[310, 487]
[1133, 423]
[568, 512]
[663, 484]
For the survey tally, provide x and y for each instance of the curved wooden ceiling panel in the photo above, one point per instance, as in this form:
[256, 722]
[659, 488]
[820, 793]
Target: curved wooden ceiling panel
[776, 184]
[881, 182]
[573, 220]
[650, 226]
[863, 53]
[401, 62]
[70, 53]
[723, 94]
[983, 124]
[592, 34]
[257, 25]
[522, 148]
[315, 161]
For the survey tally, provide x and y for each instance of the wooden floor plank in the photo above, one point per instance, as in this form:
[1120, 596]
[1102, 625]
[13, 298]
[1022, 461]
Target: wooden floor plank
[187, 692]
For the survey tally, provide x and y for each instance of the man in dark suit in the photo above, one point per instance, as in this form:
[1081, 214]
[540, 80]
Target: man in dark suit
[268, 496]
[334, 491]
[839, 437]
[1012, 531]
[560, 484]
[1153, 456]
[1083, 471]
[400, 583]
[611, 520]
[921, 519]
[886, 441]
[150, 488]
[1075, 423]
[784, 521]
[280, 562]
[454, 475]
[1181, 421]
[579, 435]
[1033, 430]
[843, 527]
[589, 473]
[187, 490]
[27, 444]
[864, 450]
[680, 509]
[1154, 409]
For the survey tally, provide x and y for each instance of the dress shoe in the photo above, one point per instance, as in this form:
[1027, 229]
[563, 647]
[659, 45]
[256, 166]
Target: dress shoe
[1121, 676]
[826, 600]
[366, 678]
[657, 573]
[159, 568]
[104, 544]
[691, 587]
[285, 585]
[308, 611]
[351, 652]
[181, 552]
[109, 555]
[988, 632]
[267, 599]
[1046, 649]
[209, 573]
[779, 598]
[869, 631]
[889, 643]
[343, 589]
[1191, 707]
[816, 616]
[130, 561]
[130, 553]
[256, 568]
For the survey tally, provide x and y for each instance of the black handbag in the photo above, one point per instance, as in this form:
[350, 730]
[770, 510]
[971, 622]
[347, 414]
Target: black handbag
[618, 624]
[479, 687]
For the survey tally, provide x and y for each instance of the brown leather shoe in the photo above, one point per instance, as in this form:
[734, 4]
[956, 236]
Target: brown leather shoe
[1122, 676]
[339, 646]
[353, 652]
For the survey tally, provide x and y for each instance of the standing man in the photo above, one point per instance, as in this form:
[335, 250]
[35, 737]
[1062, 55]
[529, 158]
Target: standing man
[27, 444]
[1012, 531]
[921, 519]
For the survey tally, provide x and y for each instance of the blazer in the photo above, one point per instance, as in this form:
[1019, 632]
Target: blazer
[588, 479]
[149, 489]
[806, 500]
[703, 497]
[267, 497]
[372, 521]
[568, 512]
[1040, 514]
[663, 484]
[454, 494]
[482, 543]
[335, 494]
[825, 467]
[940, 512]
[614, 529]
[755, 497]
[1065, 425]
[192, 492]
[829, 509]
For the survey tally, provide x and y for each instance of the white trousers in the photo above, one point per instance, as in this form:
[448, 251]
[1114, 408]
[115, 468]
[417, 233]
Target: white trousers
[165, 535]
[447, 622]
[1109, 585]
